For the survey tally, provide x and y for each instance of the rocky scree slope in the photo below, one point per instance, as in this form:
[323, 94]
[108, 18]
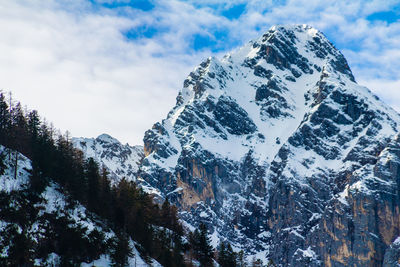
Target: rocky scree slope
[282, 153]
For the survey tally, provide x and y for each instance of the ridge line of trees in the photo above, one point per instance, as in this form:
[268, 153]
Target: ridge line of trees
[125, 208]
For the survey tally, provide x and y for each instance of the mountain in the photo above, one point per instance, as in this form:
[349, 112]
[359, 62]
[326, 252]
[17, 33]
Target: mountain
[279, 151]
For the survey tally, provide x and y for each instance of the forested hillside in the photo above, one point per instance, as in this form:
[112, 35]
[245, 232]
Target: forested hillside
[58, 207]
[124, 209]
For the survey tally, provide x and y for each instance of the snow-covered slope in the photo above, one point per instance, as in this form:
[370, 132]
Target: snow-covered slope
[51, 206]
[120, 160]
[276, 148]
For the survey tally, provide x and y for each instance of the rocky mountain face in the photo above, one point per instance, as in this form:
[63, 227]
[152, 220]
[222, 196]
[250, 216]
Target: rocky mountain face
[279, 151]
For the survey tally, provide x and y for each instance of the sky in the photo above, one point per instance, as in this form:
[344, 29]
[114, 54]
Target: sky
[116, 66]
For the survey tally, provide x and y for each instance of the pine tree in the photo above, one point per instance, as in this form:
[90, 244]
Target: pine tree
[93, 179]
[20, 138]
[19, 252]
[222, 255]
[38, 182]
[33, 127]
[120, 250]
[4, 120]
[241, 259]
[202, 249]
[105, 195]
[18, 135]
[166, 219]
[33, 124]
[10, 135]
[226, 256]
[3, 166]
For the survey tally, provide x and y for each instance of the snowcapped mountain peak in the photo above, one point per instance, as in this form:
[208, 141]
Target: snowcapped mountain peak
[283, 52]
[263, 85]
[300, 49]
[107, 139]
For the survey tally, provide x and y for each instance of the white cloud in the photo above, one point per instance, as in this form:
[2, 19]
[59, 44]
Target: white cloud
[72, 63]
[80, 72]
[387, 90]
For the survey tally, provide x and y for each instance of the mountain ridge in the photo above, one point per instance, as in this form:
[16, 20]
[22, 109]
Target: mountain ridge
[121, 160]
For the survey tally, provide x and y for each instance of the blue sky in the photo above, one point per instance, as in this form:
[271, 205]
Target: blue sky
[122, 62]
[216, 38]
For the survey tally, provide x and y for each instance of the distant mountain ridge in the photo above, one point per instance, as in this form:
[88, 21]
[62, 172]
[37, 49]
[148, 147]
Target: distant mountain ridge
[121, 160]
[279, 151]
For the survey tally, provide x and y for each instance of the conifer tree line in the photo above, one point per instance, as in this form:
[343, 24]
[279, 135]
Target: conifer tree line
[126, 209]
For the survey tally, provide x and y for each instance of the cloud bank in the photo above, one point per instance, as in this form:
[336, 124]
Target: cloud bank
[116, 66]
